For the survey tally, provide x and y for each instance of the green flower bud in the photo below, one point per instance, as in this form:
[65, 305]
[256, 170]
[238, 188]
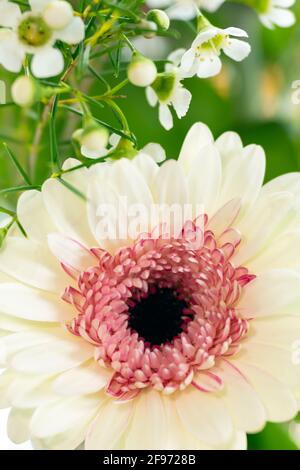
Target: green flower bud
[141, 71]
[160, 18]
[26, 91]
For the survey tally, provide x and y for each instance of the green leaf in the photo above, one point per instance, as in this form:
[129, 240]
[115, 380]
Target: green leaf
[17, 164]
[273, 437]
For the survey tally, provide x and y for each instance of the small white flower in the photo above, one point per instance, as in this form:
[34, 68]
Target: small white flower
[185, 9]
[167, 90]
[203, 59]
[141, 71]
[35, 32]
[275, 12]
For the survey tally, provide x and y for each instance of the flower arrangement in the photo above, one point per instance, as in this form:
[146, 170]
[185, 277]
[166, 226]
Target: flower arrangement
[146, 302]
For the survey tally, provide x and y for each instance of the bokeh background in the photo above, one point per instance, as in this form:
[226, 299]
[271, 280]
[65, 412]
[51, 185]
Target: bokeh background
[253, 98]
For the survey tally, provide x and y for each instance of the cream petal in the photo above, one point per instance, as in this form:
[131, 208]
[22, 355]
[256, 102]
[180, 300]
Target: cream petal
[6, 379]
[276, 208]
[289, 182]
[18, 425]
[279, 403]
[279, 331]
[271, 293]
[284, 252]
[243, 176]
[72, 412]
[52, 357]
[70, 252]
[170, 185]
[70, 440]
[33, 215]
[147, 167]
[32, 304]
[224, 217]
[205, 184]
[149, 408]
[30, 391]
[241, 399]
[15, 342]
[109, 425]
[48, 62]
[198, 136]
[73, 33]
[31, 262]
[84, 379]
[205, 416]
[178, 437]
[12, 324]
[275, 361]
[229, 145]
[67, 209]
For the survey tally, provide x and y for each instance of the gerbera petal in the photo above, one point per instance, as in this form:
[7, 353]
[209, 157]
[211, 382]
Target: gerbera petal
[198, 136]
[31, 262]
[48, 62]
[32, 304]
[271, 293]
[31, 208]
[109, 425]
[52, 357]
[205, 416]
[205, 185]
[243, 176]
[280, 405]
[18, 425]
[84, 379]
[148, 409]
[70, 252]
[147, 167]
[71, 411]
[67, 210]
[241, 399]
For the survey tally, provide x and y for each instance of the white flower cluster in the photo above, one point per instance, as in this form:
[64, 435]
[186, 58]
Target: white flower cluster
[35, 32]
[201, 59]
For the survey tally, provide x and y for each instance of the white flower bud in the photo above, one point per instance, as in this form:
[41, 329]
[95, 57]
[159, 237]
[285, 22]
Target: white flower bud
[141, 71]
[24, 91]
[58, 14]
[160, 18]
[93, 140]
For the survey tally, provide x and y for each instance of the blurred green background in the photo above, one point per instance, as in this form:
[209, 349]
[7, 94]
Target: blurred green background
[253, 98]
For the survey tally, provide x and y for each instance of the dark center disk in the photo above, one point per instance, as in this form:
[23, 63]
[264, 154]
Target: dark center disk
[159, 317]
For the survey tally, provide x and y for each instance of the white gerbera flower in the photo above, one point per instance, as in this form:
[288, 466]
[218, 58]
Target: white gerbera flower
[185, 9]
[168, 345]
[203, 58]
[35, 32]
[275, 12]
[167, 90]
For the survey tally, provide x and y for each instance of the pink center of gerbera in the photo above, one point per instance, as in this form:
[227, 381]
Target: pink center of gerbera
[161, 310]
